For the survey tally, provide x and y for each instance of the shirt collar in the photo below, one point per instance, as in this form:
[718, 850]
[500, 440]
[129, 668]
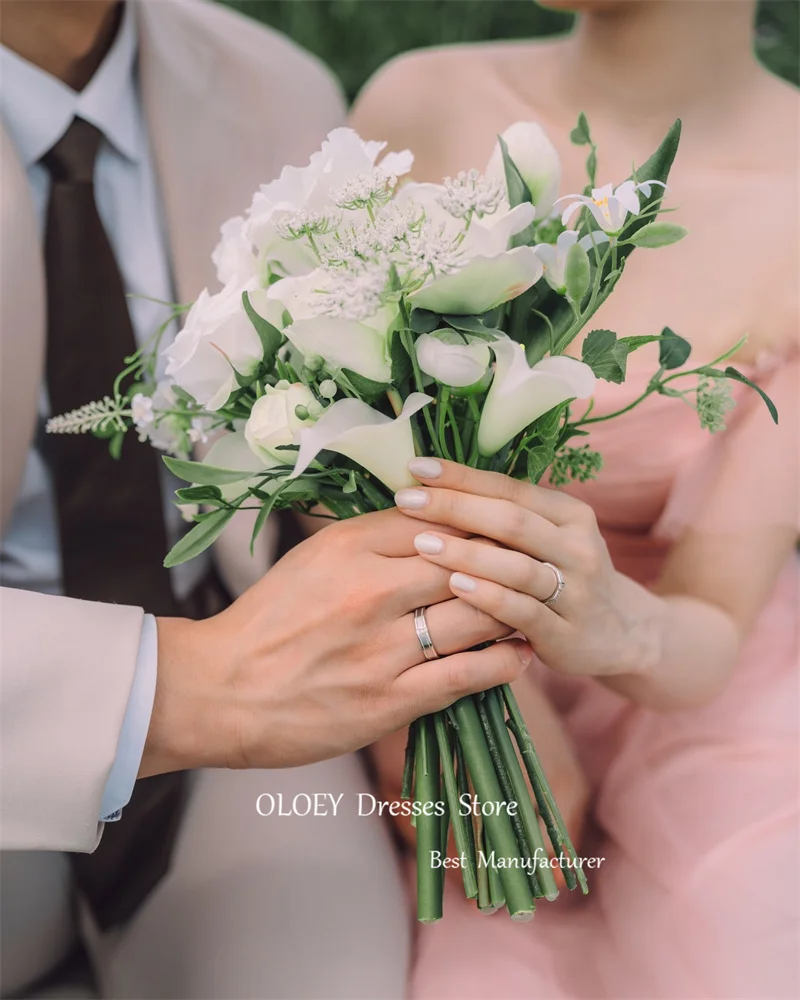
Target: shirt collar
[37, 109]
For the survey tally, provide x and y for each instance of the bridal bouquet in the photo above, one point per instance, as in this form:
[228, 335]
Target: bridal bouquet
[364, 321]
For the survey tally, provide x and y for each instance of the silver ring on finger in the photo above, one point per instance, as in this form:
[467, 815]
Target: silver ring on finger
[424, 635]
[560, 584]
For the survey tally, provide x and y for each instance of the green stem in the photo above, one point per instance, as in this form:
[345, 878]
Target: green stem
[501, 769]
[441, 421]
[475, 413]
[484, 891]
[496, 894]
[458, 821]
[484, 779]
[451, 418]
[408, 764]
[548, 810]
[430, 882]
[495, 710]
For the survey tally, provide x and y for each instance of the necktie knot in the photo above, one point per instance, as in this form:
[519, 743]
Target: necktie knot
[72, 158]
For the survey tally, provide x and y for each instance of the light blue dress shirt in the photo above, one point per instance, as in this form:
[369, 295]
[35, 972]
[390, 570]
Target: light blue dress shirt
[37, 109]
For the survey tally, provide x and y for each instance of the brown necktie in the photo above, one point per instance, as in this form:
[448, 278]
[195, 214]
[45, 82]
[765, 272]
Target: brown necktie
[111, 522]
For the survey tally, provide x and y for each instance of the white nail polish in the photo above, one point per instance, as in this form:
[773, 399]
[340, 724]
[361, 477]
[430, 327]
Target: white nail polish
[425, 468]
[431, 545]
[464, 583]
[411, 499]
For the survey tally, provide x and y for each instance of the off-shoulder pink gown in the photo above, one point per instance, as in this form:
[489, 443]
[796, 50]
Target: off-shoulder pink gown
[695, 812]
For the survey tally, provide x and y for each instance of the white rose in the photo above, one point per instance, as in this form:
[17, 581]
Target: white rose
[216, 338]
[453, 363]
[273, 421]
[234, 257]
[535, 158]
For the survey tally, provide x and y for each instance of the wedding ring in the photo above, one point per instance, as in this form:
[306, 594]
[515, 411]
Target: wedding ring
[560, 584]
[424, 635]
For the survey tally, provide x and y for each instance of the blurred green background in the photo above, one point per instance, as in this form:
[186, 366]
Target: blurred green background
[355, 37]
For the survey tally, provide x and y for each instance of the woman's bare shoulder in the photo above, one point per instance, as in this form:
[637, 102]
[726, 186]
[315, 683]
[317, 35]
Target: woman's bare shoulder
[418, 99]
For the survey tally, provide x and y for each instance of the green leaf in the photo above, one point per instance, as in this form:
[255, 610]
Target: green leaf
[539, 459]
[263, 514]
[580, 135]
[577, 273]
[518, 194]
[199, 494]
[472, 325]
[674, 350]
[548, 426]
[115, 444]
[591, 167]
[350, 486]
[657, 234]
[605, 355]
[423, 321]
[399, 359]
[737, 376]
[271, 337]
[366, 388]
[199, 538]
[202, 474]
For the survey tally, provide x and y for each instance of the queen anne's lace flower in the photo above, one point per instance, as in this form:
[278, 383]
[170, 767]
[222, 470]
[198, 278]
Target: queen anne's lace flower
[470, 193]
[353, 293]
[367, 190]
[434, 249]
[713, 399]
[296, 225]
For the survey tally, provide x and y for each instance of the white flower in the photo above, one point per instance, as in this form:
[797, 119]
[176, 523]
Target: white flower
[452, 362]
[273, 421]
[166, 431]
[233, 256]
[519, 394]
[554, 258]
[358, 345]
[609, 205]
[471, 194]
[472, 270]
[142, 410]
[343, 156]
[216, 338]
[535, 158]
[198, 430]
[188, 510]
[379, 444]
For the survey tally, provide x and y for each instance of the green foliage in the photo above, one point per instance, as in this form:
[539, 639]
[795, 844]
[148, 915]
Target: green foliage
[356, 37]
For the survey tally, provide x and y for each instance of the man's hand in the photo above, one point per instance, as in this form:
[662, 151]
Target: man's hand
[320, 657]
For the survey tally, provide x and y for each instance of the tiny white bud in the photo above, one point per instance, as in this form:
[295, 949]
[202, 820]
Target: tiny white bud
[328, 388]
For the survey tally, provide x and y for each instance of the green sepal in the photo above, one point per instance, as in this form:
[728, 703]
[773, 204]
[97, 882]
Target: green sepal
[199, 538]
[423, 320]
[577, 273]
[518, 194]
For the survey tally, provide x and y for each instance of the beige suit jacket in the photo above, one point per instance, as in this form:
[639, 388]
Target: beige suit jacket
[227, 104]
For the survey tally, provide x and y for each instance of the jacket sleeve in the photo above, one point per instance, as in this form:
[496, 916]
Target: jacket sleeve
[66, 669]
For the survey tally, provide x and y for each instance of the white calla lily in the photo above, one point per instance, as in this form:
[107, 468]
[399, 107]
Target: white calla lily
[380, 444]
[453, 363]
[343, 343]
[610, 206]
[535, 158]
[554, 257]
[519, 393]
[481, 284]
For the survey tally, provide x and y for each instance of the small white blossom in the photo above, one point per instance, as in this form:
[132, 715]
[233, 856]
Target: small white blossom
[197, 430]
[471, 194]
[365, 190]
[434, 249]
[328, 388]
[383, 235]
[142, 414]
[188, 510]
[353, 293]
[296, 225]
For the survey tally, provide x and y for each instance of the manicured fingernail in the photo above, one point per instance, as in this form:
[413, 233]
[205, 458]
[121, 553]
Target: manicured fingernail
[411, 499]
[425, 468]
[431, 545]
[525, 653]
[464, 583]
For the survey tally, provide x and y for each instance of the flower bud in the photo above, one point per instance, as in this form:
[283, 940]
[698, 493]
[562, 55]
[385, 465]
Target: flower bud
[277, 418]
[535, 158]
[449, 360]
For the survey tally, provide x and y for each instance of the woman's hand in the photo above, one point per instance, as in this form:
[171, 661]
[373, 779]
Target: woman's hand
[602, 624]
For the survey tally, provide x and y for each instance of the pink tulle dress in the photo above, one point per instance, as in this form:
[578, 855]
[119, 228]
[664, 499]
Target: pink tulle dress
[695, 812]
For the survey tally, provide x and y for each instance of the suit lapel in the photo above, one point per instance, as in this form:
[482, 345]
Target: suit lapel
[22, 322]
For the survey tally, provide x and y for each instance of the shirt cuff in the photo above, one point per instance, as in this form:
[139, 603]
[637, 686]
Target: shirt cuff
[135, 725]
